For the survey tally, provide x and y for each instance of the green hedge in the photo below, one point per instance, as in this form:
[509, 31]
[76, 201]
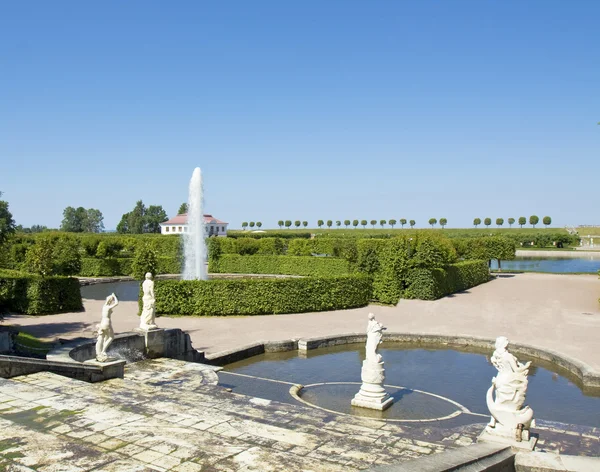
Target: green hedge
[222, 297]
[285, 234]
[487, 248]
[36, 295]
[431, 284]
[92, 267]
[289, 265]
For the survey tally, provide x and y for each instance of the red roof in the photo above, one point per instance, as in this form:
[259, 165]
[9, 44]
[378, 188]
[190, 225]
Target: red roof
[182, 219]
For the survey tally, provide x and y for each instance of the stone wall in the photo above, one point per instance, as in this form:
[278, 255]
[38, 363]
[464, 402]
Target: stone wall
[6, 344]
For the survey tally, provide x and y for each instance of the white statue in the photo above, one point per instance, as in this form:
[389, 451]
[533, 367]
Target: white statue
[149, 304]
[372, 394]
[105, 329]
[509, 418]
[374, 335]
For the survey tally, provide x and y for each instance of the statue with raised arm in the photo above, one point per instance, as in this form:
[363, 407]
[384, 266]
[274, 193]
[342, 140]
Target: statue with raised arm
[506, 396]
[372, 394]
[105, 329]
[374, 336]
[149, 304]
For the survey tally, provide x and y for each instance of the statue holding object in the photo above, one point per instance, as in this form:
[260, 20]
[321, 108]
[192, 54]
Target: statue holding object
[105, 329]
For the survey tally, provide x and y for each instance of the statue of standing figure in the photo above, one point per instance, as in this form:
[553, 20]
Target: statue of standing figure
[105, 329]
[149, 304]
[509, 418]
[372, 394]
[374, 336]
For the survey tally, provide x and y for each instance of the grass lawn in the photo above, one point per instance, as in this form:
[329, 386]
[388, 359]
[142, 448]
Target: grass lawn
[584, 231]
[31, 342]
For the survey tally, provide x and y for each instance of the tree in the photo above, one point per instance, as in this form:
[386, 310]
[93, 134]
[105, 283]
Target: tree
[476, 221]
[487, 222]
[7, 223]
[53, 256]
[443, 222]
[288, 223]
[347, 223]
[244, 225]
[320, 223]
[547, 221]
[382, 223]
[280, 223]
[338, 223]
[533, 220]
[258, 224]
[183, 208]
[412, 223]
[432, 221]
[329, 223]
[355, 223]
[297, 223]
[133, 222]
[499, 222]
[373, 223]
[305, 223]
[392, 223]
[511, 221]
[94, 221]
[252, 223]
[522, 220]
[154, 216]
[403, 222]
[39, 257]
[364, 223]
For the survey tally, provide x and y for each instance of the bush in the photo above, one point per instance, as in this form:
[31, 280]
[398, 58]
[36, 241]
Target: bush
[431, 284]
[288, 234]
[222, 297]
[145, 260]
[488, 248]
[168, 265]
[286, 265]
[36, 295]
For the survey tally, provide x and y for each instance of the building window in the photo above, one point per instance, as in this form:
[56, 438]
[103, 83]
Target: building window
[223, 229]
[180, 229]
[166, 229]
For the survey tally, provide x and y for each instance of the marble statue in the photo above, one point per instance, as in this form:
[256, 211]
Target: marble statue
[149, 305]
[506, 396]
[372, 394]
[105, 329]
[374, 335]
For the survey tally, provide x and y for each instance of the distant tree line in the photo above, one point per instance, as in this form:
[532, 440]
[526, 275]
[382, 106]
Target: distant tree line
[338, 223]
[142, 219]
[533, 220]
[80, 220]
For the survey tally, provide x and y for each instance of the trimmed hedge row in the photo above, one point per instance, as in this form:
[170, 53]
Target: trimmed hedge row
[223, 297]
[35, 295]
[270, 234]
[491, 247]
[288, 265]
[92, 267]
[431, 284]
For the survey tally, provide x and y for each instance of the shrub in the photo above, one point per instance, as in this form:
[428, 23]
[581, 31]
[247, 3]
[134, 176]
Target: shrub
[431, 284]
[284, 265]
[36, 295]
[299, 247]
[222, 297]
[145, 260]
[288, 234]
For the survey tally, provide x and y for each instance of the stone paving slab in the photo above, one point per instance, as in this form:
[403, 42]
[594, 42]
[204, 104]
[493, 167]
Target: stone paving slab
[53, 423]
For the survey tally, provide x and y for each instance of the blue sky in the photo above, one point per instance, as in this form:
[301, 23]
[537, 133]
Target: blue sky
[302, 110]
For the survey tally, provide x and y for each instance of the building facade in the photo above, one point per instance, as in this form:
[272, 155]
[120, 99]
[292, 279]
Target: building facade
[178, 225]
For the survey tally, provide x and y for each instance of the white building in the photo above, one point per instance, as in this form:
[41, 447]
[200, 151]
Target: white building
[178, 225]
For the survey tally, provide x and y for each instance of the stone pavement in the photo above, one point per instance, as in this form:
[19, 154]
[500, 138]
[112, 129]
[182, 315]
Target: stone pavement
[170, 415]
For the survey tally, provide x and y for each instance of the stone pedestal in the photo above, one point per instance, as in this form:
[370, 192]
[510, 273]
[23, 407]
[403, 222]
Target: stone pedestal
[372, 394]
[527, 443]
[154, 340]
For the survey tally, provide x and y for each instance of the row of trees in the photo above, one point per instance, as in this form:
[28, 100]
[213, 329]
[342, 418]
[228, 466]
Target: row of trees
[338, 223]
[80, 220]
[252, 224]
[7, 223]
[533, 220]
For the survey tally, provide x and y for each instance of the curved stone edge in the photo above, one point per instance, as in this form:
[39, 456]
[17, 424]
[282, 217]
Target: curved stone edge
[585, 373]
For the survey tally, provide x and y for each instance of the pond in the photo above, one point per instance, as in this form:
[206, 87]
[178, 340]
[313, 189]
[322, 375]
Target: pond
[556, 265]
[127, 291]
[431, 382]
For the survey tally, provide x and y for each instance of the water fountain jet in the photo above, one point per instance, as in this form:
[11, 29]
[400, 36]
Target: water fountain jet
[194, 267]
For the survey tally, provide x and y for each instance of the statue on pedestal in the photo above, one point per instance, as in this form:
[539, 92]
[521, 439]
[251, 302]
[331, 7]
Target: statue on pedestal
[509, 418]
[149, 305]
[105, 329]
[372, 394]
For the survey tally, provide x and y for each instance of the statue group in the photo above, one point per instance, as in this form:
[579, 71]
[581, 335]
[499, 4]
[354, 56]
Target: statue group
[105, 332]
